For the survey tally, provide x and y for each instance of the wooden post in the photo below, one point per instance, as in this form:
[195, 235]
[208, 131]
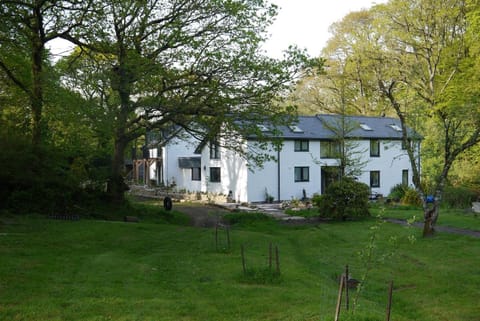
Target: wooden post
[216, 237]
[270, 254]
[228, 237]
[339, 298]
[243, 260]
[277, 259]
[347, 299]
[389, 304]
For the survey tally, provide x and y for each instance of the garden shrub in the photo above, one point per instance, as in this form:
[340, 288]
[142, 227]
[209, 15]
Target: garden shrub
[344, 198]
[397, 192]
[411, 197]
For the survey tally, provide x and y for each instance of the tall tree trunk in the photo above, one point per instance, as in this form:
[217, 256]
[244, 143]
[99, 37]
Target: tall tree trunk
[430, 215]
[36, 96]
[116, 185]
[121, 83]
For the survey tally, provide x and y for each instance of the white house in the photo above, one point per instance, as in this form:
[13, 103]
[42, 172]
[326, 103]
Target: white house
[302, 167]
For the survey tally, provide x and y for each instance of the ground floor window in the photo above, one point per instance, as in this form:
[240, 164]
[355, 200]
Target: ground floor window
[374, 178]
[405, 177]
[196, 174]
[215, 175]
[302, 174]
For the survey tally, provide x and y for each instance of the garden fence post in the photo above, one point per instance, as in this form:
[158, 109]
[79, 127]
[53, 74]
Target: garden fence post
[339, 297]
[389, 302]
[243, 260]
[347, 299]
[277, 258]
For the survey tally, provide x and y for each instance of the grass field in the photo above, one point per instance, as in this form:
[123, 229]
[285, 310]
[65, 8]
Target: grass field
[162, 269]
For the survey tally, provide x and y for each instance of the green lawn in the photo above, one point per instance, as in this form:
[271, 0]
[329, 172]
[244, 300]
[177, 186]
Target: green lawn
[153, 270]
[460, 218]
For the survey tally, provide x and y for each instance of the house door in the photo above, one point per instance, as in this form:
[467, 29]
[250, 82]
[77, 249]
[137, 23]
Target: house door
[330, 174]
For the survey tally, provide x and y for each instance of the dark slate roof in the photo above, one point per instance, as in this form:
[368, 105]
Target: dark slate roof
[322, 127]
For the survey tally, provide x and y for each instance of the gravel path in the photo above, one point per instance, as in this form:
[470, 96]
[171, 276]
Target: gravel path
[204, 215]
[438, 228]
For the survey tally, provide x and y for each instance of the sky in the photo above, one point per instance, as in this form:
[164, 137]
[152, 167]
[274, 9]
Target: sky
[301, 22]
[306, 23]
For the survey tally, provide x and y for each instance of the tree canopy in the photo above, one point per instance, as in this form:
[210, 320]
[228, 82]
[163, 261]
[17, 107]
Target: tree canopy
[416, 60]
[148, 65]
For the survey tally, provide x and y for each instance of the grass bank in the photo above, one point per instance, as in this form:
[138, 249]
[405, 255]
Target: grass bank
[156, 270]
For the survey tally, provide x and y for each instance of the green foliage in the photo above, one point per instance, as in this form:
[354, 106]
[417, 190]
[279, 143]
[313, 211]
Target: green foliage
[411, 197]
[344, 198]
[397, 192]
[459, 197]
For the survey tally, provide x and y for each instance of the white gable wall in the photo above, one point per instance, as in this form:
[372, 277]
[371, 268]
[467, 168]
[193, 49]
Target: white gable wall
[233, 170]
[181, 177]
[264, 180]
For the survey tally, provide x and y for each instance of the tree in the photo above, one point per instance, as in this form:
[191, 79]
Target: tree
[344, 87]
[189, 64]
[426, 42]
[26, 27]
[420, 64]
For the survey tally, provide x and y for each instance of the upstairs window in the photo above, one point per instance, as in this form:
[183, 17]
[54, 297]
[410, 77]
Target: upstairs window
[214, 150]
[329, 149]
[301, 145]
[374, 148]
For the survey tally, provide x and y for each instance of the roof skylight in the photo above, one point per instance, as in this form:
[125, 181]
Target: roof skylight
[263, 128]
[296, 129]
[365, 127]
[395, 127]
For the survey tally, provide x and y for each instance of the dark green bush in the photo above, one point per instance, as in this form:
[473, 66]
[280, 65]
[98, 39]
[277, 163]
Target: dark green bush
[40, 180]
[459, 197]
[343, 199]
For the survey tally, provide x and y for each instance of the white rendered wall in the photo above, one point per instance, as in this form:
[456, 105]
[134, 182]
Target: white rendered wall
[289, 159]
[262, 181]
[233, 171]
[172, 172]
[392, 161]
[251, 185]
